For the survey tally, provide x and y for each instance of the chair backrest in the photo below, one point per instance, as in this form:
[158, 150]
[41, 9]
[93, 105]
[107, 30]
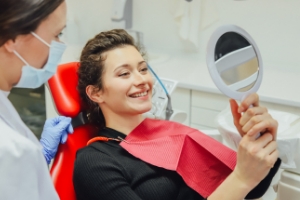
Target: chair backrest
[67, 102]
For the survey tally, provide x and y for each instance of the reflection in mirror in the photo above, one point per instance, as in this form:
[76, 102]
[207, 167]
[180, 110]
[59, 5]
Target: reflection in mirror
[236, 62]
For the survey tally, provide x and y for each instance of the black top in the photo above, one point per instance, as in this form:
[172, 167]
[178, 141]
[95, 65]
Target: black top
[105, 171]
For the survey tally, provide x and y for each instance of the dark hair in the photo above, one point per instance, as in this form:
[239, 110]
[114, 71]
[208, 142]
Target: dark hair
[18, 17]
[92, 67]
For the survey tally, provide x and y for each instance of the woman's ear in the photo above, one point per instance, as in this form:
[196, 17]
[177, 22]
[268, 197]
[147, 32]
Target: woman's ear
[10, 45]
[94, 94]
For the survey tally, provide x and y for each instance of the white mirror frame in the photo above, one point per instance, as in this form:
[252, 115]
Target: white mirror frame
[210, 61]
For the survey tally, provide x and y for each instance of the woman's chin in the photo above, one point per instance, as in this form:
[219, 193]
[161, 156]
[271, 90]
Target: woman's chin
[144, 110]
[140, 108]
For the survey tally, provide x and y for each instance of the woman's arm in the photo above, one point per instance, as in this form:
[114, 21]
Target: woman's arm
[256, 155]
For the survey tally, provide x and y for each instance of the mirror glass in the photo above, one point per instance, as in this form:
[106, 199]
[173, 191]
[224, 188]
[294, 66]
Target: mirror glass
[234, 61]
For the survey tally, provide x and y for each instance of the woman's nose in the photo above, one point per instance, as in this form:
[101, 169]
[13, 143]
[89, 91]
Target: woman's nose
[139, 79]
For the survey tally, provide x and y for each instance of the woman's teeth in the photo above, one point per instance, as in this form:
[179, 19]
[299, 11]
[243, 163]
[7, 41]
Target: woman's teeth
[139, 94]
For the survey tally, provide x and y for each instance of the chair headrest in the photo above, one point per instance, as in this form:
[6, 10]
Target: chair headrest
[63, 89]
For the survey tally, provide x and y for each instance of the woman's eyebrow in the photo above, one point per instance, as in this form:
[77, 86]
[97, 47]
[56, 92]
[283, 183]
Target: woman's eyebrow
[141, 62]
[121, 66]
[127, 65]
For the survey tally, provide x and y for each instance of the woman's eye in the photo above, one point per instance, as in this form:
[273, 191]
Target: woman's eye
[124, 74]
[59, 35]
[145, 69]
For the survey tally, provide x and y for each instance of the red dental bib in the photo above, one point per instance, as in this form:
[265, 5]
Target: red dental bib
[202, 162]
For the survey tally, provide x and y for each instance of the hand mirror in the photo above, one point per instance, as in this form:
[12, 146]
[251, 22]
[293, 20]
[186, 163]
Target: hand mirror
[234, 62]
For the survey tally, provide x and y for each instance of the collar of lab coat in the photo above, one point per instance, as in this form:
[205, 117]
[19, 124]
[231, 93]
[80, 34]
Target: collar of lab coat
[6, 93]
[11, 117]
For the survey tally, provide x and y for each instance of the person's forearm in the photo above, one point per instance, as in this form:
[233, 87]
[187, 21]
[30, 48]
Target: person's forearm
[231, 189]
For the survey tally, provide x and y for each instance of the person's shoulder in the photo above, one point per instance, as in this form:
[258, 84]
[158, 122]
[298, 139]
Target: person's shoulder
[94, 156]
[96, 150]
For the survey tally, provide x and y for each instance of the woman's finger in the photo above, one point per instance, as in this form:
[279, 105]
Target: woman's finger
[269, 125]
[252, 122]
[270, 148]
[250, 100]
[272, 158]
[236, 116]
[261, 142]
[251, 112]
[269, 154]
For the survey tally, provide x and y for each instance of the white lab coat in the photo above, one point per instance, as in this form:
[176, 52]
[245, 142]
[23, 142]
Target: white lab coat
[24, 172]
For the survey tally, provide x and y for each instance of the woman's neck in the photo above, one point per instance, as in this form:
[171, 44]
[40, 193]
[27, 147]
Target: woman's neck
[6, 69]
[123, 124]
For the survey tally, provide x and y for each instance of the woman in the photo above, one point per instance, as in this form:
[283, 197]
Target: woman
[30, 51]
[115, 82]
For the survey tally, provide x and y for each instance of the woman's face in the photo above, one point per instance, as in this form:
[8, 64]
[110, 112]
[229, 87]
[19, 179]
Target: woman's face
[32, 49]
[127, 83]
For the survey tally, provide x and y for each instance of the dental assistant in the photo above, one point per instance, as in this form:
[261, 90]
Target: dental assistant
[30, 51]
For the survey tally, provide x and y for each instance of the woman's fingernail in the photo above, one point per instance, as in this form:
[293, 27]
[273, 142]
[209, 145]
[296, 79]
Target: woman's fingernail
[239, 110]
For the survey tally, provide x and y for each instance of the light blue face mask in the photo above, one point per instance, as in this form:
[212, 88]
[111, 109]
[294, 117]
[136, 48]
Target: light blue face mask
[32, 77]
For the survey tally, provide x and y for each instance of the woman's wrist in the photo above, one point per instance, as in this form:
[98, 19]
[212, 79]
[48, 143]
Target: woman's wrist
[244, 184]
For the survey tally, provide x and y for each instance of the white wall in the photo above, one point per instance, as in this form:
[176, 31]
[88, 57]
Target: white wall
[274, 25]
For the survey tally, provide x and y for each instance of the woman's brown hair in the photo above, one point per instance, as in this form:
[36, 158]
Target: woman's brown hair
[20, 17]
[92, 66]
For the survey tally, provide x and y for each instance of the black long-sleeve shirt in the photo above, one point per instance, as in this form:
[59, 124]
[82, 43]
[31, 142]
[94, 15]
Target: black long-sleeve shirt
[105, 171]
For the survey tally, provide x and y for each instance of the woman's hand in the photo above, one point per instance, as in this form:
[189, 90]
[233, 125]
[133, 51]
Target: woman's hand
[255, 119]
[255, 158]
[256, 155]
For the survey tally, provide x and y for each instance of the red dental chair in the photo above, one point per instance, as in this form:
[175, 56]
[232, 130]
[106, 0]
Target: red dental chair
[67, 101]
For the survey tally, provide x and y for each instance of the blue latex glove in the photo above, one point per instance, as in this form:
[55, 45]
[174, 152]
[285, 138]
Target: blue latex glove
[55, 131]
